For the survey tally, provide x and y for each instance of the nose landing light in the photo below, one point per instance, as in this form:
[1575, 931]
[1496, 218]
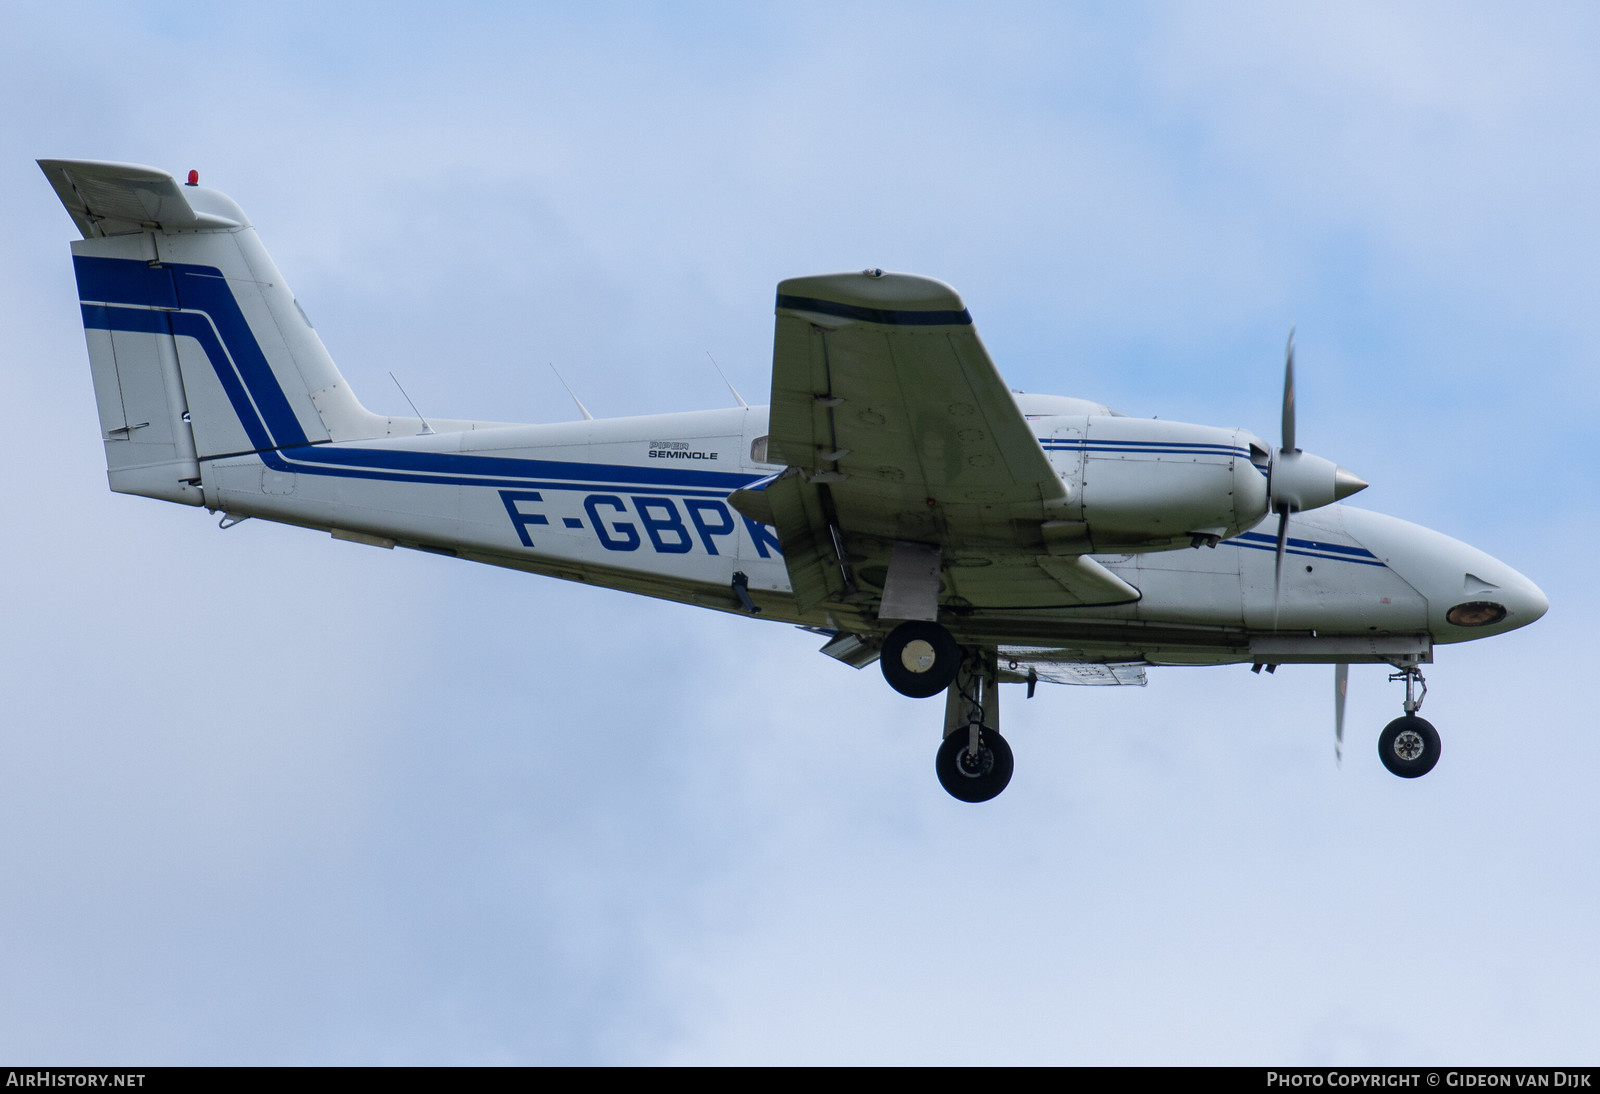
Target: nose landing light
[1476, 613]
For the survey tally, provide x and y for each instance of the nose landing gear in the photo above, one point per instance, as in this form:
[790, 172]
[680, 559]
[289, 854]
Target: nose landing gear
[1409, 745]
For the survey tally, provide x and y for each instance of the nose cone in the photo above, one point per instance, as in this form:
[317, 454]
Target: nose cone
[1489, 597]
[1470, 594]
[1525, 601]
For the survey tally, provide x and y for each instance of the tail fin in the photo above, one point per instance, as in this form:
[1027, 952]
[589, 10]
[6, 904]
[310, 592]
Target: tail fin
[197, 347]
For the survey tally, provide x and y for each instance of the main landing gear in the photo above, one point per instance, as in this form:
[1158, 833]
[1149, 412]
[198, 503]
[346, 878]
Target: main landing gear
[974, 762]
[1409, 745]
[974, 772]
[921, 659]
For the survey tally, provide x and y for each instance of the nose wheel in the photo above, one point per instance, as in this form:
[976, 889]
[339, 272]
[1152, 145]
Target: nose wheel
[1409, 745]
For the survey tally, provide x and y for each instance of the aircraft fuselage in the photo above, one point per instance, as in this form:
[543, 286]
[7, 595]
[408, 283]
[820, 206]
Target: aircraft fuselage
[640, 504]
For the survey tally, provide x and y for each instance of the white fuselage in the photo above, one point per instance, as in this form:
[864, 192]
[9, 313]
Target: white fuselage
[640, 504]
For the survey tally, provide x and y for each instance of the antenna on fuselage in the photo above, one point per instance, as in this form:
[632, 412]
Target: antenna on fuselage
[581, 408]
[727, 381]
[426, 428]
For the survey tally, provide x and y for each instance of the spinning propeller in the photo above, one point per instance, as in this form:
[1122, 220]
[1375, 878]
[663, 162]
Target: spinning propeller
[1297, 480]
[1341, 682]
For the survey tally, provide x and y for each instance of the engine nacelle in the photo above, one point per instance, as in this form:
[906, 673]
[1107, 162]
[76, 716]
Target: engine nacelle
[1143, 484]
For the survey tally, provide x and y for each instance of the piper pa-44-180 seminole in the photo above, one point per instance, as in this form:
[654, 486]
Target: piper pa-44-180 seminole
[895, 496]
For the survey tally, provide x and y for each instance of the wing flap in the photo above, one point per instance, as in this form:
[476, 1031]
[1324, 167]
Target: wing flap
[799, 514]
[1034, 663]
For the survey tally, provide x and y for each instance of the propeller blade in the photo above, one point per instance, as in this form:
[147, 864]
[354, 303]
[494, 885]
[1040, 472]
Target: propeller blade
[1277, 566]
[1341, 683]
[1288, 395]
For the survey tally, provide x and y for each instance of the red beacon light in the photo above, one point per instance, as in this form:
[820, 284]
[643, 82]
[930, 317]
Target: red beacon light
[194, 178]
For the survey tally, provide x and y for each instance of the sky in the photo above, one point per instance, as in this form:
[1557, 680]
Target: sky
[270, 798]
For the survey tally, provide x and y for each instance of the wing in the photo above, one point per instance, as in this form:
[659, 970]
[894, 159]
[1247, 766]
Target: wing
[910, 467]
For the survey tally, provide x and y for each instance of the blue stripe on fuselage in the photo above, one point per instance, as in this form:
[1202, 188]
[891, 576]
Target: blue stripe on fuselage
[1312, 548]
[212, 317]
[492, 470]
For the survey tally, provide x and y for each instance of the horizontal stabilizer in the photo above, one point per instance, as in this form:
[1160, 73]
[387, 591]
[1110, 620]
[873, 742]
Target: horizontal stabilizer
[107, 199]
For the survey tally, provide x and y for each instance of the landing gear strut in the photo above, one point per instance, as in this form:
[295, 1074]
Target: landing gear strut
[1409, 745]
[974, 762]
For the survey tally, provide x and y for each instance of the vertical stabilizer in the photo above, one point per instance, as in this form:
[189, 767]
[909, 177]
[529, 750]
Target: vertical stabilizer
[198, 348]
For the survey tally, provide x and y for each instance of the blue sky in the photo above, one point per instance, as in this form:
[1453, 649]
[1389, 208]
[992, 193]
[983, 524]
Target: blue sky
[272, 798]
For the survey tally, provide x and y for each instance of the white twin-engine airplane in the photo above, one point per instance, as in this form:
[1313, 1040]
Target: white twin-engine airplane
[895, 496]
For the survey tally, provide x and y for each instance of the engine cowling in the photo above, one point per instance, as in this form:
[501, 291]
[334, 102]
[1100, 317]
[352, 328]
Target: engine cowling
[1145, 484]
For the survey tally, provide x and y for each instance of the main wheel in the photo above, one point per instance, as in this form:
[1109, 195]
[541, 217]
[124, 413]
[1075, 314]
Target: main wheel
[974, 778]
[1409, 746]
[919, 659]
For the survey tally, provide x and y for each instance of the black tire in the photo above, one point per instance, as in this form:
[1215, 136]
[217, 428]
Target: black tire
[1409, 746]
[974, 782]
[919, 659]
